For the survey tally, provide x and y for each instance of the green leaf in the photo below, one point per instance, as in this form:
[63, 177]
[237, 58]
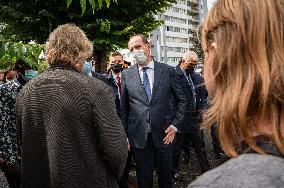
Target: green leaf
[100, 2]
[107, 2]
[125, 30]
[69, 3]
[14, 59]
[83, 6]
[93, 3]
[105, 26]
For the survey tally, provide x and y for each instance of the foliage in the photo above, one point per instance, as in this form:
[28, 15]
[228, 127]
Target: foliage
[108, 24]
[197, 45]
[30, 53]
[94, 4]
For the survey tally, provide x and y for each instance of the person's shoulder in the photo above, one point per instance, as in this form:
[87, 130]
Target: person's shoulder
[129, 70]
[163, 65]
[246, 170]
[99, 76]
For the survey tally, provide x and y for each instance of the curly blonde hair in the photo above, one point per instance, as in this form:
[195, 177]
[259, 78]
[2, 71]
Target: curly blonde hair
[247, 69]
[68, 44]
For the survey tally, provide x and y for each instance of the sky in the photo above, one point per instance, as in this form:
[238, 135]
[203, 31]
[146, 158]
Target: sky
[210, 3]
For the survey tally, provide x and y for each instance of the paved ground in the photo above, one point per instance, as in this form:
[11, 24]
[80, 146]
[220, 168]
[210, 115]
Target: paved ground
[192, 170]
[3, 181]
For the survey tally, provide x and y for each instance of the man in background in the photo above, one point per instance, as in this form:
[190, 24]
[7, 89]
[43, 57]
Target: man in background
[197, 100]
[113, 78]
[115, 66]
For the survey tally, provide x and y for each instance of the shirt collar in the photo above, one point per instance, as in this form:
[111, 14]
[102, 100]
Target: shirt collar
[114, 76]
[150, 65]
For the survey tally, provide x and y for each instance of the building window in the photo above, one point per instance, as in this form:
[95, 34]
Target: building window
[182, 2]
[177, 10]
[175, 19]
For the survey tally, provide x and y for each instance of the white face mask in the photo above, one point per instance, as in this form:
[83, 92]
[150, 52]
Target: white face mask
[139, 57]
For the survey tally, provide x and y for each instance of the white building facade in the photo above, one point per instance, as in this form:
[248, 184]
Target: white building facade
[172, 39]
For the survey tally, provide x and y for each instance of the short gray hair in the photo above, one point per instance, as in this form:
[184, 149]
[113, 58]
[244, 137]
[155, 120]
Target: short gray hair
[190, 55]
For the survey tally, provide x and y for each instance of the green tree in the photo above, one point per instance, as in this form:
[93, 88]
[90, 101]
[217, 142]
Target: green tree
[94, 4]
[197, 44]
[10, 52]
[108, 26]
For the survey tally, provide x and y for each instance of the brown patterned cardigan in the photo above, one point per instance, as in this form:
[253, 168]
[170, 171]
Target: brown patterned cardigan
[69, 132]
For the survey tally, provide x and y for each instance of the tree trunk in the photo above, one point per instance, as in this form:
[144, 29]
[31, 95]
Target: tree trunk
[101, 62]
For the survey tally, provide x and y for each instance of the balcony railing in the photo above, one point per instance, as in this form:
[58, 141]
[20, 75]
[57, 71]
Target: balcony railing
[192, 1]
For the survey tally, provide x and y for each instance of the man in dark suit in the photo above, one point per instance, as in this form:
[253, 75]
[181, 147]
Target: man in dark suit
[116, 65]
[146, 114]
[113, 76]
[197, 101]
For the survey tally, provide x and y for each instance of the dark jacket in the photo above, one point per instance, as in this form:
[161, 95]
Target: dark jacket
[109, 80]
[138, 113]
[201, 95]
[69, 130]
[189, 124]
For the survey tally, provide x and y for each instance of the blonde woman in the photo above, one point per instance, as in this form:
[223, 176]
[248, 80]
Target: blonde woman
[243, 42]
[69, 131]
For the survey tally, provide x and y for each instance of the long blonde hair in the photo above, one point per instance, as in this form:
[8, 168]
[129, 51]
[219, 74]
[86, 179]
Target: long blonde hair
[248, 69]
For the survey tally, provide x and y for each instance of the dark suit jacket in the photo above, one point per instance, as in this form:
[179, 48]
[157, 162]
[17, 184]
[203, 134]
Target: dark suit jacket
[201, 95]
[189, 123]
[138, 112]
[109, 80]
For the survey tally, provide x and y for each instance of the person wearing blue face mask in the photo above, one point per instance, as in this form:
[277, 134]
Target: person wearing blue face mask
[30, 74]
[25, 72]
[87, 68]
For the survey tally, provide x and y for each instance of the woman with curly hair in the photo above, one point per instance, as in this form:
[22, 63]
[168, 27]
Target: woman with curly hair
[243, 42]
[69, 132]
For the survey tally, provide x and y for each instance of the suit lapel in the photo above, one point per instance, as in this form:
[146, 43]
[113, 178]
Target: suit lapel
[138, 83]
[111, 79]
[158, 72]
[180, 73]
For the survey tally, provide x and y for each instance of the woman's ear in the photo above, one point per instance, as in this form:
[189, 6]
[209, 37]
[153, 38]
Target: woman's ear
[213, 46]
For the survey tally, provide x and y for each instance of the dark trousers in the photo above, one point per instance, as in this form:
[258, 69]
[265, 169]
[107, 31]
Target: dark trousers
[151, 158]
[190, 139]
[123, 181]
[12, 174]
[215, 140]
